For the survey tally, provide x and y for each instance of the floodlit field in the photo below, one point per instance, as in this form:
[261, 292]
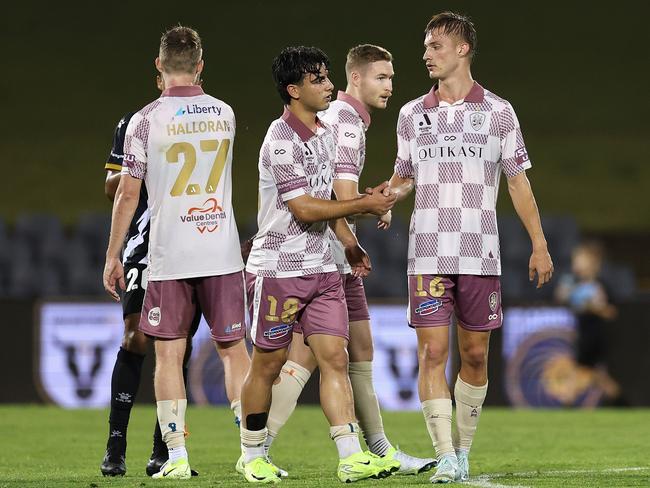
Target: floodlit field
[50, 447]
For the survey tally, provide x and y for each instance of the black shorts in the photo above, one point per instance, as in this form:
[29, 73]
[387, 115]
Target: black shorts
[133, 296]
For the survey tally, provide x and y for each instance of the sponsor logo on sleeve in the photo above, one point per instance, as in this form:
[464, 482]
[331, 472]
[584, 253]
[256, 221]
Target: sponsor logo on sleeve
[233, 328]
[521, 156]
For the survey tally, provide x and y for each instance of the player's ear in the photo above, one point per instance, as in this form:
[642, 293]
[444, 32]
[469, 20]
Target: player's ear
[463, 49]
[158, 65]
[199, 66]
[294, 91]
[355, 78]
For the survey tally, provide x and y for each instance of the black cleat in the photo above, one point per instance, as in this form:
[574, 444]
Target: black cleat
[156, 462]
[113, 464]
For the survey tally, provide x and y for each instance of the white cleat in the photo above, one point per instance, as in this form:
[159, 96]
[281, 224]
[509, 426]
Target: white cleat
[409, 464]
[447, 469]
[463, 465]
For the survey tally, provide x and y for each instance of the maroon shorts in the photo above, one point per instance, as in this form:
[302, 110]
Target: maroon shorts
[170, 305]
[313, 304]
[476, 301]
[355, 297]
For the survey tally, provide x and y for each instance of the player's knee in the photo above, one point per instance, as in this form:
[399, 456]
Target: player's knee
[433, 354]
[134, 340]
[474, 356]
[361, 352]
[334, 359]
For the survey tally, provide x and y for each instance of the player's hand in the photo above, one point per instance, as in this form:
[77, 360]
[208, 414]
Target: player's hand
[380, 200]
[384, 221]
[246, 247]
[359, 260]
[113, 274]
[542, 264]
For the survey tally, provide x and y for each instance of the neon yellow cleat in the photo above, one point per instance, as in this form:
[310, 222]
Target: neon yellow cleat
[361, 466]
[239, 467]
[179, 470]
[259, 470]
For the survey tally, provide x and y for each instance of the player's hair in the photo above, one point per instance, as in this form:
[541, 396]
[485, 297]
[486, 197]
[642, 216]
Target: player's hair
[293, 63]
[451, 23]
[180, 50]
[364, 54]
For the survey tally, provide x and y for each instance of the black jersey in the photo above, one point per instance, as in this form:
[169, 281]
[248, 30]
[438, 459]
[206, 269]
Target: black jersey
[136, 244]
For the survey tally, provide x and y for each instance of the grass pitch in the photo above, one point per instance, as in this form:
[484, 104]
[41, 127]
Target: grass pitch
[50, 447]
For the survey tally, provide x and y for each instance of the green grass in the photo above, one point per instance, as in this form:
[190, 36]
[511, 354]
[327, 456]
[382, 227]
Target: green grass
[50, 447]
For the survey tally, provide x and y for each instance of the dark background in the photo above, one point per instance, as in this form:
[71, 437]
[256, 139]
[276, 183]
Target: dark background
[572, 70]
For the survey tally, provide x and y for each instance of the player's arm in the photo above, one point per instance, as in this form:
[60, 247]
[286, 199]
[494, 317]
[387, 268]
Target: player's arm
[355, 254]
[347, 189]
[111, 183]
[124, 207]
[526, 207]
[400, 187]
[309, 210]
[402, 182]
[514, 163]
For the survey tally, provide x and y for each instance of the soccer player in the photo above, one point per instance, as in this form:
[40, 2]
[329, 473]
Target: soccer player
[369, 72]
[181, 146]
[291, 274]
[453, 143]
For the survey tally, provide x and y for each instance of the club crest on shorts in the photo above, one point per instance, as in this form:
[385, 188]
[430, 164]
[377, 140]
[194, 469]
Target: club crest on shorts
[154, 316]
[477, 119]
[278, 331]
[428, 307]
[492, 301]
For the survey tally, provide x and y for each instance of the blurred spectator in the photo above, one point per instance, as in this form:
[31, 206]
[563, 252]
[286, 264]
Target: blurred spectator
[583, 291]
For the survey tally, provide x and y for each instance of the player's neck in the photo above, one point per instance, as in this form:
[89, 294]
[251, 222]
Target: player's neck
[455, 87]
[303, 114]
[178, 80]
[355, 92]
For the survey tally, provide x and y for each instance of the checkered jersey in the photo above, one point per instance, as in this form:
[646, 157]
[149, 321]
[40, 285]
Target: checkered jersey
[350, 136]
[456, 154]
[293, 162]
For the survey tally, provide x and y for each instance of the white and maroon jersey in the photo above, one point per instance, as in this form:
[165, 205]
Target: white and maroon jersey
[181, 145]
[349, 120]
[456, 153]
[293, 162]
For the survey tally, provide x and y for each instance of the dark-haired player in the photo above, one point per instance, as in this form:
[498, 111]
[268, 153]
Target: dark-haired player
[453, 144]
[291, 275]
[369, 72]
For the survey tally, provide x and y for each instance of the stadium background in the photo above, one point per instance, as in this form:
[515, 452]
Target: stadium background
[571, 72]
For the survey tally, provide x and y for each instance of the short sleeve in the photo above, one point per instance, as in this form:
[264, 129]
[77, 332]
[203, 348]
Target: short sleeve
[283, 159]
[347, 158]
[514, 156]
[116, 156]
[403, 162]
[135, 147]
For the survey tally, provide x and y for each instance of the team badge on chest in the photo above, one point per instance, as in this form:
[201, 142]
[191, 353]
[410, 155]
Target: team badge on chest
[476, 119]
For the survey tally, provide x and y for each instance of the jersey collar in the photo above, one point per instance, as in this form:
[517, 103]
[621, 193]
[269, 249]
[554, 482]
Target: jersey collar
[356, 105]
[183, 91]
[475, 95]
[304, 132]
